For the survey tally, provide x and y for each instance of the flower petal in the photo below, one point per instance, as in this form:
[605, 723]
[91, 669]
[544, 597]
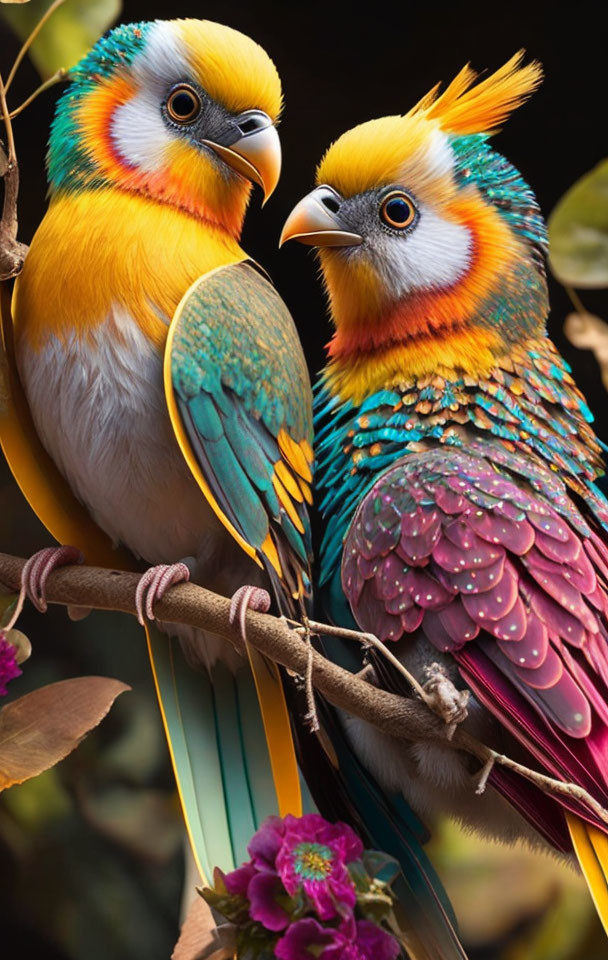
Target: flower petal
[263, 890]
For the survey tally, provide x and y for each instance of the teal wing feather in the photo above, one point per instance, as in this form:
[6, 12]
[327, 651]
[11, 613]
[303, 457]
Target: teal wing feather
[243, 397]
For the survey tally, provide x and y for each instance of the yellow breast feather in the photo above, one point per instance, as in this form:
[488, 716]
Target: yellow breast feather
[73, 277]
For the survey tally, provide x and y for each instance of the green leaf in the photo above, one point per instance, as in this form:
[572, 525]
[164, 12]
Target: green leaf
[380, 865]
[578, 232]
[68, 35]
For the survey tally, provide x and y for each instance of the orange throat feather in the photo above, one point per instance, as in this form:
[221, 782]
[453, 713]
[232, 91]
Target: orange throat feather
[500, 300]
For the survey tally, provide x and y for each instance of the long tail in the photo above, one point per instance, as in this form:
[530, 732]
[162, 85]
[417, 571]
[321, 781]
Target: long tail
[591, 848]
[218, 745]
[343, 790]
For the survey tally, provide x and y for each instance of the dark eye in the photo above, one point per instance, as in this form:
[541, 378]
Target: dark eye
[397, 210]
[183, 104]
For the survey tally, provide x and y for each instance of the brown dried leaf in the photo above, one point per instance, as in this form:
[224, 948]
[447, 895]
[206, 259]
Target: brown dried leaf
[588, 332]
[41, 728]
[200, 939]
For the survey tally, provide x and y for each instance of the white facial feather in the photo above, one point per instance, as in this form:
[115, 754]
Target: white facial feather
[138, 130]
[434, 255]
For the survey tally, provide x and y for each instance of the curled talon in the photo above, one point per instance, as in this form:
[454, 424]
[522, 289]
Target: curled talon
[443, 698]
[35, 574]
[247, 598]
[154, 584]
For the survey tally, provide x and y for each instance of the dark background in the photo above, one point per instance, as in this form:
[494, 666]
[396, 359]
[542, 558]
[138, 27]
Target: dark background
[343, 63]
[69, 886]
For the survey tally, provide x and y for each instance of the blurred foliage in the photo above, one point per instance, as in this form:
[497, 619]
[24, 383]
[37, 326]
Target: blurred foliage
[588, 332]
[70, 32]
[515, 903]
[91, 852]
[578, 232]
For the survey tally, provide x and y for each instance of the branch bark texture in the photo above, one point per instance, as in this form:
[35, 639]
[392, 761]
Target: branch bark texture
[186, 603]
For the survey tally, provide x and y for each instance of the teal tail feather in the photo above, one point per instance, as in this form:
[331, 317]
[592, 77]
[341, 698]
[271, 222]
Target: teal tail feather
[218, 749]
[344, 790]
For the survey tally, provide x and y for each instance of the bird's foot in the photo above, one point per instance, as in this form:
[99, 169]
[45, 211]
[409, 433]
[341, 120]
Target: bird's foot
[442, 697]
[247, 598]
[35, 574]
[153, 585]
[481, 778]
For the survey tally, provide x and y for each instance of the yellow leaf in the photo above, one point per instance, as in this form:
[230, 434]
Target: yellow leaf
[578, 232]
[41, 728]
[22, 645]
[68, 35]
[588, 332]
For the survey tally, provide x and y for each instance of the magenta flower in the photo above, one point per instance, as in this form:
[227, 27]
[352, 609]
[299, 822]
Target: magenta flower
[237, 882]
[8, 664]
[313, 856]
[266, 843]
[353, 940]
[296, 896]
[268, 901]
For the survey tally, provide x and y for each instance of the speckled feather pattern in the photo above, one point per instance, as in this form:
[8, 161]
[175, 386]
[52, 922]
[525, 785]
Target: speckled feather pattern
[254, 351]
[529, 403]
[502, 185]
[453, 544]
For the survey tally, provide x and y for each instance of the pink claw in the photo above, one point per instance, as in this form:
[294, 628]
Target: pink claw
[247, 598]
[35, 574]
[154, 584]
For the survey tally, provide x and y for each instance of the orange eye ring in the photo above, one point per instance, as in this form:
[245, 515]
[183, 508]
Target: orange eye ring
[183, 104]
[397, 210]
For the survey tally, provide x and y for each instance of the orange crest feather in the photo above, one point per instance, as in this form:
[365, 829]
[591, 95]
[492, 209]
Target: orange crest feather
[466, 109]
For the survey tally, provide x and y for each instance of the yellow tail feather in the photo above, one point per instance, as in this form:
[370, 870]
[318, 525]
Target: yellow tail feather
[591, 848]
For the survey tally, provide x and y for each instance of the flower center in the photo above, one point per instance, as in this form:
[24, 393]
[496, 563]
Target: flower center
[312, 861]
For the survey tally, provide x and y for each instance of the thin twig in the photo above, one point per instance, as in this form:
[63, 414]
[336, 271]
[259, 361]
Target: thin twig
[12, 253]
[576, 301]
[57, 77]
[29, 41]
[10, 139]
[398, 717]
[373, 641]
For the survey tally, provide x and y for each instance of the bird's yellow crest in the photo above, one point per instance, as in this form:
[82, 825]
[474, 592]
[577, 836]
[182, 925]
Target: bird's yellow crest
[375, 153]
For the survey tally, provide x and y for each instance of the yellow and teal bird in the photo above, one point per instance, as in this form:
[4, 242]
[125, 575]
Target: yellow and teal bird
[165, 382]
[457, 466]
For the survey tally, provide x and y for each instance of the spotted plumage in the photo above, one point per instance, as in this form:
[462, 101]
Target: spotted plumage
[457, 465]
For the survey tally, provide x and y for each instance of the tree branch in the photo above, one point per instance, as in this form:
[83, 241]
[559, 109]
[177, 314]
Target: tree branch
[186, 603]
[12, 253]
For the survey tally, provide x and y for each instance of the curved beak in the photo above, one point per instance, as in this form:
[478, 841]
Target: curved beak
[315, 221]
[256, 154]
